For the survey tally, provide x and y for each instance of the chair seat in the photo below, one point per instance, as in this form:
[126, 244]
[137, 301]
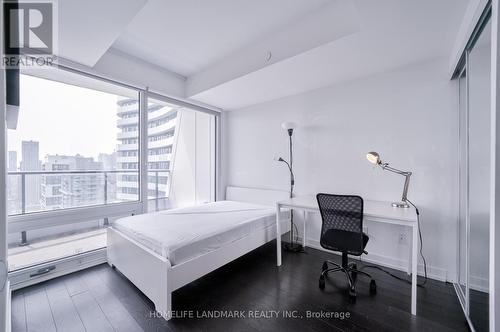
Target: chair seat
[339, 240]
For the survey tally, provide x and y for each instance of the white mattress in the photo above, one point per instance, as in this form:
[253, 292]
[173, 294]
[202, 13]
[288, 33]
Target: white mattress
[185, 233]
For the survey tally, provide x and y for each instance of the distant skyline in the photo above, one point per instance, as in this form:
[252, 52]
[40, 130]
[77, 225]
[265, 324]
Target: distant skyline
[64, 119]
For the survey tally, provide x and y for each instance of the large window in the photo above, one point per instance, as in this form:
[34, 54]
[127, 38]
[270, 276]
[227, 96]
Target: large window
[81, 157]
[67, 150]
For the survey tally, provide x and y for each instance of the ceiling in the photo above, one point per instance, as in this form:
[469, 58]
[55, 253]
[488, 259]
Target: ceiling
[236, 53]
[187, 36]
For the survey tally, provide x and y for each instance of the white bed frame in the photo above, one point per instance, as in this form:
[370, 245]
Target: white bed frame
[157, 278]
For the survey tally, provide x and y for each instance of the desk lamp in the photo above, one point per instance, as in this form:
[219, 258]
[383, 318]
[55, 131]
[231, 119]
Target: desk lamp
[374, 158]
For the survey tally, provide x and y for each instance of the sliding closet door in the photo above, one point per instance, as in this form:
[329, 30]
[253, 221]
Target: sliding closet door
[463, 187]
[479, 71]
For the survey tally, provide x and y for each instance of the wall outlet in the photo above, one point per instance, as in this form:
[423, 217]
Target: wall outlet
[403, 238]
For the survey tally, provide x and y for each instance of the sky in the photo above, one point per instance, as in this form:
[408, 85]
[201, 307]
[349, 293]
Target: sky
[64, 119]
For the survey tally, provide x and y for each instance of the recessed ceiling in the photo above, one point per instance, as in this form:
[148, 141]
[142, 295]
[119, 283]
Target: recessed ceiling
[393, 34]
[187, 36]
[236, 53]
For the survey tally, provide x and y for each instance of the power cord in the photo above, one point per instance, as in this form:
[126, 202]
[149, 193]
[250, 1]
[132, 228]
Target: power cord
[421, 254]
[293, 246]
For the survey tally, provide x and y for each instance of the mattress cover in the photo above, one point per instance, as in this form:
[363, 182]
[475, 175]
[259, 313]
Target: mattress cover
[185, 233]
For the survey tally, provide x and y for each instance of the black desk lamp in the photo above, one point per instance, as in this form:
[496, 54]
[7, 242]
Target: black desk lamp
[289, 127]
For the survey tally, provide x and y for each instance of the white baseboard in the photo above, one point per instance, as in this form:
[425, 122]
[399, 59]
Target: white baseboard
[479, 284]
[435, 273]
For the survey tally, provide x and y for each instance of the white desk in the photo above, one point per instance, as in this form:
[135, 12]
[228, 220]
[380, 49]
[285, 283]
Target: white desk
[373, 211]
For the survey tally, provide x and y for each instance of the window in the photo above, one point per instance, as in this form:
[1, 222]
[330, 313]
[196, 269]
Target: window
[76, 139]
[76, 154]
[59, 142]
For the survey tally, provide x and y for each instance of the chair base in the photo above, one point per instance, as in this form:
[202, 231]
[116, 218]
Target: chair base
[351, 272]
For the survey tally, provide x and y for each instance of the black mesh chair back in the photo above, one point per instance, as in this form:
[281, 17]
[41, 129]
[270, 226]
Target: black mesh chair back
[342, 227]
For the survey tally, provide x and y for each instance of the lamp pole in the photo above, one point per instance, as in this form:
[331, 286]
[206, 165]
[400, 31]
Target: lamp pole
[292, 182]
[289, 127]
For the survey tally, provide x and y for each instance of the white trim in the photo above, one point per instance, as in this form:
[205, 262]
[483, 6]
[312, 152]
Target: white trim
[195, 106]
[479, 284]
[39, 220]
[21, 278]
[73, 67]
[457, 290]
[469, 23]
[8, 299]
[494, 283]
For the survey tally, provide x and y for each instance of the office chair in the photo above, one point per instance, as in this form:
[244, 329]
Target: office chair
[342, 231]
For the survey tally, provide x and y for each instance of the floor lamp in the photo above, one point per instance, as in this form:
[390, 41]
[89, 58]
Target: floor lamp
[289, 127]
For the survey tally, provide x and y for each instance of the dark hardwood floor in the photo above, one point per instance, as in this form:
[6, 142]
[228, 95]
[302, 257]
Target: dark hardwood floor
[101, 299]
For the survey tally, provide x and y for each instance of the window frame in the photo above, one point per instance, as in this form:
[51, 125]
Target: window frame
[31, 221]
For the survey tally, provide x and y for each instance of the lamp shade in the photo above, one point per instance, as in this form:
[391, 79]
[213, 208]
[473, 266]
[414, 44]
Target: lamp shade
[288, 125]
[373, 157]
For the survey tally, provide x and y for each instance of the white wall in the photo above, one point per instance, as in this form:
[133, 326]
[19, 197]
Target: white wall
[409, 116]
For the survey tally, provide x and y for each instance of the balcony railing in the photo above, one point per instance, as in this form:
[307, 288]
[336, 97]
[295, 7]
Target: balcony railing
[85, 190]
[93, 196]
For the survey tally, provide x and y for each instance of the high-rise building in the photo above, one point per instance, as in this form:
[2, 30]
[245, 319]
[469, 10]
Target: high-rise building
[12, 162]
[31, 163]
[63, 190]
[162, 122]
[108, 161]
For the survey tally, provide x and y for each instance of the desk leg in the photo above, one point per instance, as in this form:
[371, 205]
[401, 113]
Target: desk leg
[410, 249]
[304, 230]
[414, 270]
[278, 236]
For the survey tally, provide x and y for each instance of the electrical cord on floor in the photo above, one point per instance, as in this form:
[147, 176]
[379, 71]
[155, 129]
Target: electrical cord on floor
[293, 246]
[421, 254]
[296, 232]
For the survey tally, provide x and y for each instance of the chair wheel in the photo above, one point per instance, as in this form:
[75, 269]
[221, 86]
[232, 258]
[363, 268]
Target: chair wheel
[324, 267]
[373, 287]
[321, 282]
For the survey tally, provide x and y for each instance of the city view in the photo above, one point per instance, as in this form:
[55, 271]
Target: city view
[73, 164]
[60, 181]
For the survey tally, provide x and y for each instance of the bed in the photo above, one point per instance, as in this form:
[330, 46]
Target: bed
[163, 251]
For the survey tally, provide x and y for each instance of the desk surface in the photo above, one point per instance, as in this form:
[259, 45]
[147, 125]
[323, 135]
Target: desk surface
[372, 209]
